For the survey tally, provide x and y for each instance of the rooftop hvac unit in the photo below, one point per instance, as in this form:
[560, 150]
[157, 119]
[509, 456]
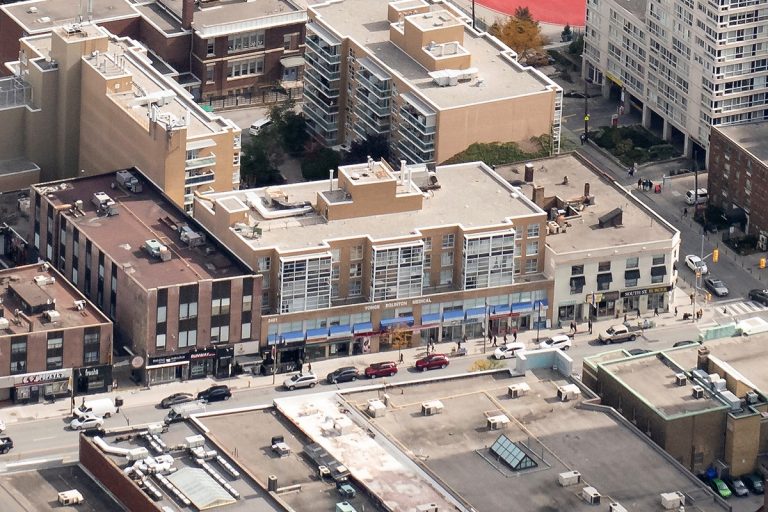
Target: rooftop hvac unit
[697, 391]
[569, 478]
[52, 315]
[79, 305]
[615, 507]
[376, 408]
[518, 390]
[719, 385]
[428, 507]
[714, 377]
[672, 500]
[590, 495]
[4, 323]
[680, 379]
[752, 397]
[42, 280]
[568, 392]
[431, 408]
[732, 399]
[700, 374]
[497, 422]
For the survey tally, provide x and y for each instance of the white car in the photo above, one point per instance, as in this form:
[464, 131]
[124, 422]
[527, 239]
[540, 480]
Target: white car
[508, 350]
[560, 341]
[696, 264]
[87, 421]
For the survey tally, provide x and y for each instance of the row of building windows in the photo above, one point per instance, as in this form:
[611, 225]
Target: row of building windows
[54, 359]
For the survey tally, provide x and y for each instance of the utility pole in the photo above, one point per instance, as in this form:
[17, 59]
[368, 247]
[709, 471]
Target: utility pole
[473, 13]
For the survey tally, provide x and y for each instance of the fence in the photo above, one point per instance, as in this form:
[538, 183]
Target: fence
[265, 97]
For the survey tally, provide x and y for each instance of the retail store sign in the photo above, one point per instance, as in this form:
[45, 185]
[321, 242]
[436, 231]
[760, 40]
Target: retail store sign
[399, 304]
[646, 291]
[42, 377]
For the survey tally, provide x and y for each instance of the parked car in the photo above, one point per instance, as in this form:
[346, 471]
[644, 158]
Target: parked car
[696, 264]
[737, 487]
[760, 296]
[754, 483]
[638, 351]
[616, 334]
[716, 286]
[573, 93]
[508, 350]
[215, 393]
[181, 412]
[6, 444]
[87, 421]
[300, 380]
[720, 488]
[684, 343]
[175, 399]
[2, 425]
[102, 407]
[384, 369]
[344, 374]
[560, 341]
[431, 362]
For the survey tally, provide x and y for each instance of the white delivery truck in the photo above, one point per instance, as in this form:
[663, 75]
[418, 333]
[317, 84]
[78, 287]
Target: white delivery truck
[182, 412]
[101, 407]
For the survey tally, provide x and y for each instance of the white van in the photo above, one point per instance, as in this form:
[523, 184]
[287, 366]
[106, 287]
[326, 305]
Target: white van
[101, 407]
[259, 125]
[693, 196]
[182, 412]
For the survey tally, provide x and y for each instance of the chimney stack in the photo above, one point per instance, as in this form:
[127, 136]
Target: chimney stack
[702, 362]
[528, 176]
[538, 195]
[187, 13]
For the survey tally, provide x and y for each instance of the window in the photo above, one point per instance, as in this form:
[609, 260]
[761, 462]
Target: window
[577, 284]
[55, 354]
[210, 74]
[91, 346]
[631, 277]
[245, 41]
[335, 255]
[305, 283]
[577, 270]
[356, 270]
[264, 264]
[604, 266]
[446, 259]
[247, 67]
[533, 230]
[287, 42]
[246, 331]
[160, 341]
[220, 334]
[532, 248]
[356, 252]
[247, 293]
[18, 355]
[188, 302]
[355, 288]
[658, 259]
[448, 241]
[396, 272]
[187, 338]
[531, 265]
[633, 262]
[211, 49]
[220, 306]
[446, 276]
[604, 281]
[427, 244]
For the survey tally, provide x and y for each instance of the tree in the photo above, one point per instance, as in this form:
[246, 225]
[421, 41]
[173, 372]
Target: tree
[315, 165]
[519, 33]
[523, 13]
[376, 146]
[290, 127]
[566, 34]
[262, 156]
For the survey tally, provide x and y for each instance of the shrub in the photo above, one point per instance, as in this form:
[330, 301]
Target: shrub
[482, 365]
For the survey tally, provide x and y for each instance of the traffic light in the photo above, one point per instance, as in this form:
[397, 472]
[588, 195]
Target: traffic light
[715, 255]
[762, 262]
[709, 296]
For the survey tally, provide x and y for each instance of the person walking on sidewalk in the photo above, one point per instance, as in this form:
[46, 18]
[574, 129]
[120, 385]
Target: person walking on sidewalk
[463, 340]
[589, 325]
[675, 311]
[514, 335]
[655, 311]
[494, 342]
[505, 338]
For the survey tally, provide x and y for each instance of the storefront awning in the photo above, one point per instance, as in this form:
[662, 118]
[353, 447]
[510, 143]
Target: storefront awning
[604, 278]
[456, 314]
[338, 331]
[475, 313]
[543, 303]
[288, 337]
[519, 307]
[430, 319]
[503, 309]
[292, 62]
[362, 327]
[390, 322]
[658, 271]
[630, 275]
[317, 334]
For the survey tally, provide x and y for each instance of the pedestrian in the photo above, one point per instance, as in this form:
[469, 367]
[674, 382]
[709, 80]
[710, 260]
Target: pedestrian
[514, 335]
[692, 298]
[655, 311]
[685, 212]
[572, 327]
[432, 342]
[625, 318]
[494, 342]
[309, 366]
[675, 311]
[582, 138]
[505, 338]
[639, 182]
[463, 340]
[701, 313]
[589, 324]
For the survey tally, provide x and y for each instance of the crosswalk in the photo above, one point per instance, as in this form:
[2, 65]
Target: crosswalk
[739, 308]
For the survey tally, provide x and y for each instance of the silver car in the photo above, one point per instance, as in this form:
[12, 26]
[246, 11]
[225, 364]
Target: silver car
[716, 286]
[300, 380]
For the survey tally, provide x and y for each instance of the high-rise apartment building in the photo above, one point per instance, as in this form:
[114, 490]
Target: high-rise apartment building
[416, 72]
[686, 65]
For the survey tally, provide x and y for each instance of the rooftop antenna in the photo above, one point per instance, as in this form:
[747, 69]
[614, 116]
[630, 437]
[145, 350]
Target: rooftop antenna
[330, 179]
[89, 13]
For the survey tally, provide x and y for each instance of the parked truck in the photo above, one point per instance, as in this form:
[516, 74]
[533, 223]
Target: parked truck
[182, 412]
[617, 334]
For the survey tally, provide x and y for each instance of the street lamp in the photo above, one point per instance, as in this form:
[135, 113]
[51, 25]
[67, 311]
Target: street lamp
[538, 325]
[487, 323]
[587, 80]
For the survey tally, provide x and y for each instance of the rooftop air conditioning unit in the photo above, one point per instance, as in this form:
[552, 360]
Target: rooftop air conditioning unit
[569, 478]
[590, 495]
[79, 305]
[518, 390]
[52, 315]
[680, 379]
[4, 323]
[672, 500]
[615, 507]
[427, 507]
[752, 397]
[697, 391]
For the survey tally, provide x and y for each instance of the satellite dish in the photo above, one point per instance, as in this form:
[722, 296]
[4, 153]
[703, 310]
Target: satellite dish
[137, 362]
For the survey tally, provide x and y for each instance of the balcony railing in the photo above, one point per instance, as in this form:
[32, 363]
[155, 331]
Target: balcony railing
[323, 51]
[192, 179]
[202, 161]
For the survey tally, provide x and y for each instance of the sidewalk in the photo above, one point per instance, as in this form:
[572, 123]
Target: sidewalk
[135, 395]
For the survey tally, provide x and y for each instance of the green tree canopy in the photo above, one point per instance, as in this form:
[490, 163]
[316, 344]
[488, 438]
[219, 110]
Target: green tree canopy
[315, 165]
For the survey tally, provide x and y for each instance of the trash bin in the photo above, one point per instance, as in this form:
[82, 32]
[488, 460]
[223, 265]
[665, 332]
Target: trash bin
[118, 401]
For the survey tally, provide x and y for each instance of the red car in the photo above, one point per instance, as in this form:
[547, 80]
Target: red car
[385, 369]
[431, 362]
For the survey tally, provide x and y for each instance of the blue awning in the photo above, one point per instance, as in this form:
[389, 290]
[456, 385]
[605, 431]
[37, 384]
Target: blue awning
[314, 334]
[389, 322]
[287, 337]
[341, 330]
[430, 318]
[456, 314]
[519, 307]
[502, 310]
[543, 302]
[475, 313]
[362, 327]
[272, 339]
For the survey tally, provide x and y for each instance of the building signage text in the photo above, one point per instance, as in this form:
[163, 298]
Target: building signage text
[646, 291]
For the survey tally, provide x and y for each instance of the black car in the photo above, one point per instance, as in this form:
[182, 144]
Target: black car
[576, 94]
[638, 351]
[684, 343]
[760, 296]
[6, 444]
[754, 483]
[344, 374]
[175, 399]
[736, 486]
[215, 394]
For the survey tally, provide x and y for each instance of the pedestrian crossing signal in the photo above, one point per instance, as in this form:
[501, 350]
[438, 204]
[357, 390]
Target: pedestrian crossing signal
[715, 255]
[709, 296]
[762, 262]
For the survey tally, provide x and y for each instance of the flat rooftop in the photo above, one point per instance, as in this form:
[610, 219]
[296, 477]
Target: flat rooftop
[220, 12]
[638, 226]
[366, 22]
[141, 217]
[464, 196]
[157, 15]
[19, 287]
[751, 137]
[636, 7]
[654, 382]
[36, 16]
[36, 491]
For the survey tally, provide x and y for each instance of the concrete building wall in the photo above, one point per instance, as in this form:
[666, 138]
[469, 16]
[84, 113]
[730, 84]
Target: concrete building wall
[742, 442]
[173, 49]
[512, 119]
